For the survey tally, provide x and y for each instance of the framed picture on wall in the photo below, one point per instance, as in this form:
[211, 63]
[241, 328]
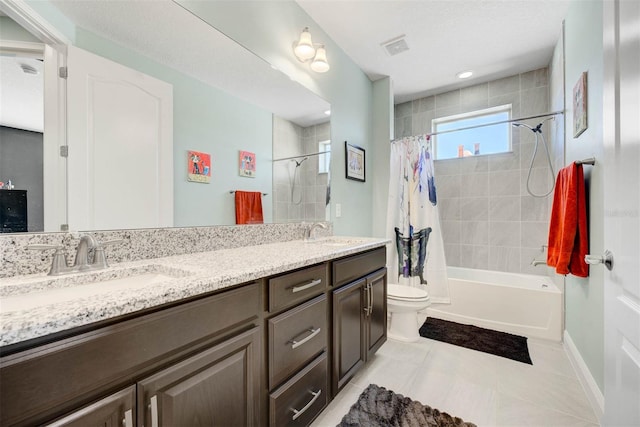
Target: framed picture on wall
[580, 105]
[198, 167]
[355, 162]
[247, 164]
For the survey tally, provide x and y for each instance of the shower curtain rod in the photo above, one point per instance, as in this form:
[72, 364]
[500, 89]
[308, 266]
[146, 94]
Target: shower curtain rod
[555, 113]
[301, 155]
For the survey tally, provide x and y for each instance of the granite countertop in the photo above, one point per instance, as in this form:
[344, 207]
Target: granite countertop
[37, 305]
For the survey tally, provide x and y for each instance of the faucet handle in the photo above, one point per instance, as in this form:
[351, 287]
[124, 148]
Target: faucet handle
[99, 258]
[59, 262]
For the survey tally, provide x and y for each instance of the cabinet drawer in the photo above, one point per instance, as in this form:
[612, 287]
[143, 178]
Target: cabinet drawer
[290, 289]
[306, 394]
[349, 269]
[295, 337]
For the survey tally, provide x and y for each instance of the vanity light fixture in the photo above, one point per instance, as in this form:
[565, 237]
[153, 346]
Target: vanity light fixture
[307, 51]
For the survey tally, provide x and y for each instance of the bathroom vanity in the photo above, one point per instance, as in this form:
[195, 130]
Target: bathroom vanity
[261, 335]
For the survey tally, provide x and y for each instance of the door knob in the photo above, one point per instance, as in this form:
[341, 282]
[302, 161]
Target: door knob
[606, 259]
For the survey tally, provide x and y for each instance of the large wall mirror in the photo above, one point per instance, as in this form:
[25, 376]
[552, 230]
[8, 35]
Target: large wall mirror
[226, 100]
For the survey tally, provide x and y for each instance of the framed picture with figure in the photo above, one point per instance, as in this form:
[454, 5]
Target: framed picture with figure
[355, 162]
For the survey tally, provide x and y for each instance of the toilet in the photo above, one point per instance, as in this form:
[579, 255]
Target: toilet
[403, 305]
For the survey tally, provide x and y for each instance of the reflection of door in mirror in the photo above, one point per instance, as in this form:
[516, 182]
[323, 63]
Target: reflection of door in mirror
[21, 123]
[120, 135]
[300, 172]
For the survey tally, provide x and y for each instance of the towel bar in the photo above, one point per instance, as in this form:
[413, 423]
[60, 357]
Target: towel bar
[233, 191]
[590, 161]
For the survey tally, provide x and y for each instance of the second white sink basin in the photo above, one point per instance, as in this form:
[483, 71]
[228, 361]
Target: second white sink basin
[337, 241]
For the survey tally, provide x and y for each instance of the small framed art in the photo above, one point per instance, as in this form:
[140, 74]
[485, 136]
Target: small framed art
[198, 167]
[580, 105]
[247, 164]
[355, 162]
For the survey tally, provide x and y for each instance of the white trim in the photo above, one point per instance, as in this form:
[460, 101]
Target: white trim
[55, 113]
[18, 48]
[591, 389]
[23, 14]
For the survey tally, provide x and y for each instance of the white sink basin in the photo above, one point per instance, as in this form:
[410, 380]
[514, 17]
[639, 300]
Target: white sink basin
[80, 289]
[337, 241]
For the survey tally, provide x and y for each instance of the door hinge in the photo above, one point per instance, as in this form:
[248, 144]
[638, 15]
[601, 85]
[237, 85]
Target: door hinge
[64, 151]
[64, 227]
[63, 72]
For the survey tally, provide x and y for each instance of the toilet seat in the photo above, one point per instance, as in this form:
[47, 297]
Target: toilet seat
[406, 293]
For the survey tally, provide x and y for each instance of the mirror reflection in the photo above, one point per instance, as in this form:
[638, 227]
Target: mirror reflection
[225, 100]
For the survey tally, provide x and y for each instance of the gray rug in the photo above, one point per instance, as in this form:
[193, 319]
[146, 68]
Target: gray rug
[379, 407]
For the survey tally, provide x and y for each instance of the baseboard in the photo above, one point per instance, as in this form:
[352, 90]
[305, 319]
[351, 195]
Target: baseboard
[595, 396]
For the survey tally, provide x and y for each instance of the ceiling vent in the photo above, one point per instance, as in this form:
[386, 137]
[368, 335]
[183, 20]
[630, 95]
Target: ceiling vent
[395, 45]
[28, 69]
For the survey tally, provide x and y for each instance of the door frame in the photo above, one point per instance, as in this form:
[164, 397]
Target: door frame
[55, 112]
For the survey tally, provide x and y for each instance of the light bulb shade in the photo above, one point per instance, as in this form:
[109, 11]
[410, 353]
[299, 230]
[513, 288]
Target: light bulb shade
[304, 49]
[319, 63]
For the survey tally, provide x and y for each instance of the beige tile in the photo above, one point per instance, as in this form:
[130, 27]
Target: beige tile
[333, 413]
[504, 86]
[474, 185]
[557, 392]
[474, 232]
[513, 412]
[448, 99]
[504, 208]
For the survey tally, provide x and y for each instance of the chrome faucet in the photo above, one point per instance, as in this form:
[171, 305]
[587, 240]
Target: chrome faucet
[537, 262]
[309, 232]
[87, 243]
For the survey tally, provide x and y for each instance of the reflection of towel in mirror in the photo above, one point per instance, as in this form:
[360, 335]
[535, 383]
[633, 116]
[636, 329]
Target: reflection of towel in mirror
[249, 207]
[568, 241]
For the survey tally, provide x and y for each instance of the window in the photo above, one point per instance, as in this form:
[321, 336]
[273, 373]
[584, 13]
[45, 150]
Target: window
[476, 141]
[324, 160]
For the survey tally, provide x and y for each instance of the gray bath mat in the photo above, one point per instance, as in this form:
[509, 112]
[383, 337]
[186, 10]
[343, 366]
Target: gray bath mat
[501, 344]
[379, 407]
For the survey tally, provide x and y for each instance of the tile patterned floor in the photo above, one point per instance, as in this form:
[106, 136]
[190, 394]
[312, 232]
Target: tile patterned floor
[478, 387]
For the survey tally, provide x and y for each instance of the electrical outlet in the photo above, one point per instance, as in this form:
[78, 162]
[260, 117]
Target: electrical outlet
[338, 210]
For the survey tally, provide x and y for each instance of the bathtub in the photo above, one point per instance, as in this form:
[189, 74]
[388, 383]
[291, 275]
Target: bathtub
[520, 304]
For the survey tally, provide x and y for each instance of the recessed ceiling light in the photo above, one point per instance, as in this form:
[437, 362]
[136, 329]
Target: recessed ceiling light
[327, 113]
[464, 74]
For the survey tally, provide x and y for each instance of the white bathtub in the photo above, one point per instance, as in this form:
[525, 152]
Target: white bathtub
[519, 304]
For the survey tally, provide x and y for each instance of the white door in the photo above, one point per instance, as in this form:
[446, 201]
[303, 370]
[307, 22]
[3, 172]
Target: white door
[120, 136]
[622, 207]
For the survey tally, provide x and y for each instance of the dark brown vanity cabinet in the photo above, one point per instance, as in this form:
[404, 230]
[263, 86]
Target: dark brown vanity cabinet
[216, 387]
[185, 363]
[359, 313]
[298, 340]
[119, 409]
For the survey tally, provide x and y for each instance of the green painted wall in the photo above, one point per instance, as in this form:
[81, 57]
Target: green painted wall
[268, 28]
[584, 298]
[10, 30]
[209, 120]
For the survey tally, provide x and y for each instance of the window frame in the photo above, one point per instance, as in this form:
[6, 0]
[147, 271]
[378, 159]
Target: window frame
[508, 108]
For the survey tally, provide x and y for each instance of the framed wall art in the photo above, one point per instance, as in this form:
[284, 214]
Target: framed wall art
[198, 167]
[247, 164]
[355, 162]
[580, 106]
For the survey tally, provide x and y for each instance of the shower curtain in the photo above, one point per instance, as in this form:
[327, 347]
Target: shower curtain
[416, 256]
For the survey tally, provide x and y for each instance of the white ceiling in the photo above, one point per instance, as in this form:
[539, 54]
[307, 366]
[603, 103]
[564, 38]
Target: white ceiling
[494, 38]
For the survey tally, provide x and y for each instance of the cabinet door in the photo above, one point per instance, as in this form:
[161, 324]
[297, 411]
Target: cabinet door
[217, 387]
[117, 410]
[348, 333]
[376, 319]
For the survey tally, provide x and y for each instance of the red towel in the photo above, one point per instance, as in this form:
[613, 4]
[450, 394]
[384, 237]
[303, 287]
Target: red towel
[568, 241]
[249, 207]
